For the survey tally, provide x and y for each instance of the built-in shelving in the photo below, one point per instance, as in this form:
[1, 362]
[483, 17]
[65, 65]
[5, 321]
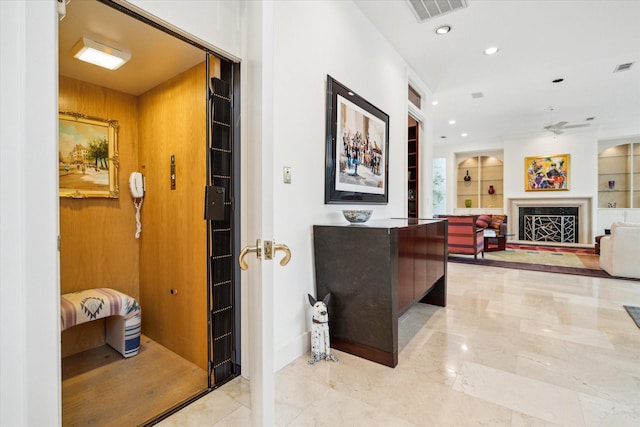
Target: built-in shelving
[475, 175]
[619, 177]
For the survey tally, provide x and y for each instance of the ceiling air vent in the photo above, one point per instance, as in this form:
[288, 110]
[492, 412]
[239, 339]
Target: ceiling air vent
[623, 67]
[425, 9]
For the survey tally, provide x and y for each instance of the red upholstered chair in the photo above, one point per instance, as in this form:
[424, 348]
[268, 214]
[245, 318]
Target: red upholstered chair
[464, 236]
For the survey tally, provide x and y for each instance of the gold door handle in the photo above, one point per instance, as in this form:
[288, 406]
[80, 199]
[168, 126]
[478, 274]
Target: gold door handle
[287, 252]
[257, 248]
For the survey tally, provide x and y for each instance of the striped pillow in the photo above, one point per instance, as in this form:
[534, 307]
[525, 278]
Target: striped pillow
[496, 221]
[483, 221]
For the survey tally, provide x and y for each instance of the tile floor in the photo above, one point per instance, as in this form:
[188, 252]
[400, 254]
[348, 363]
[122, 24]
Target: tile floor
[512, 348]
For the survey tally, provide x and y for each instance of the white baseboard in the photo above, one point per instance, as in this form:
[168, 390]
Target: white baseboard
[292, 350]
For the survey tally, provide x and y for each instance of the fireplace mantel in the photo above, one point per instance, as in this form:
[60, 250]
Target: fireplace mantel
[584, 215]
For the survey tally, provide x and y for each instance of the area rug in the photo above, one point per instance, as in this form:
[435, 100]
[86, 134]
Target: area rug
[585, 264]
[546, 248]
[634, 312]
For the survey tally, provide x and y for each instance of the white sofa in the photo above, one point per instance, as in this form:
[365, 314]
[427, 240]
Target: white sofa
[620, 250]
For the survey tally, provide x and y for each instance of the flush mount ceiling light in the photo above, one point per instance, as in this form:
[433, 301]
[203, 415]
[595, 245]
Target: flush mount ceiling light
[491, 50]
[452, 122]
[443, 29]
[559, 80]
[434, 103]
[463, 134]
[100, 54]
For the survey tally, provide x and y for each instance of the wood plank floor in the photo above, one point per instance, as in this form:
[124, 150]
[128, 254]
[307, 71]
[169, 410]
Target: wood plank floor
[101, 388]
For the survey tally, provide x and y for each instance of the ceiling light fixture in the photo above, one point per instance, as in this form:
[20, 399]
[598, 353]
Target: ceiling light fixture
[452, 122]
[100, 54]
[443, 29]
[434, 103]
[491, 50]
[560, 80]
[463, 134]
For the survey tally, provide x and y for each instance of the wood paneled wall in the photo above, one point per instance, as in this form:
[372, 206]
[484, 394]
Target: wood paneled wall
[166, 269]
[173, 264]
[98, 247]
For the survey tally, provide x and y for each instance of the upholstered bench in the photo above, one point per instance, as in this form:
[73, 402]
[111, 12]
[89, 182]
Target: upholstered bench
[122, 313]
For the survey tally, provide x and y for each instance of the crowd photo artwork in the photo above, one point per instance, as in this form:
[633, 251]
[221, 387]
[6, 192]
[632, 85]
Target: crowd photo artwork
[361, 150]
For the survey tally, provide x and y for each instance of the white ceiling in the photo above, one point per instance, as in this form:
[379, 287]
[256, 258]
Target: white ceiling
[580, 41]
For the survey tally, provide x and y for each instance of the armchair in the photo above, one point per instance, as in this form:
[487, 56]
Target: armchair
[464, 236]
[619, 250]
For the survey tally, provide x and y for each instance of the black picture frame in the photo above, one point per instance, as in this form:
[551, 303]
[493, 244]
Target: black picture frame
[355, 129]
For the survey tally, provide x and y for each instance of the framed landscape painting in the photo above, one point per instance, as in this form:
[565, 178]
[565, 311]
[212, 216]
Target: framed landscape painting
[356, 150]
[87, 156]
[546, 173]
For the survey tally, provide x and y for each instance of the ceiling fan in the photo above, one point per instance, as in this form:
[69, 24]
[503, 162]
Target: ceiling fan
[557, 128]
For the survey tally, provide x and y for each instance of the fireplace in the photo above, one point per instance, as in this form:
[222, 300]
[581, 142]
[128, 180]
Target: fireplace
[558, 224]
[565, 220]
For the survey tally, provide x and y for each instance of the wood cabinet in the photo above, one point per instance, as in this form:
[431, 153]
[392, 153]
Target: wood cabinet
[413, 171]
[375, 272]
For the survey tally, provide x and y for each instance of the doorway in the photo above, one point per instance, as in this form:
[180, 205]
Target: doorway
[165, 131]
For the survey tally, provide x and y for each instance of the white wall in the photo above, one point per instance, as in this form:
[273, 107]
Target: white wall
[581, 145]
[29, 290]
[313, 39]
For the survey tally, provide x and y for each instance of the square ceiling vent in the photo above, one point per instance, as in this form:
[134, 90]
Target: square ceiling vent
[425, 9]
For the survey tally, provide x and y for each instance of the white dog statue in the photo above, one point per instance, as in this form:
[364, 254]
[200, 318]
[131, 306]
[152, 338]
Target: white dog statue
[320, 343]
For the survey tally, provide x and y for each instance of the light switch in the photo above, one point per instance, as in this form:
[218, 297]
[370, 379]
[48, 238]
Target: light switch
[286, 175]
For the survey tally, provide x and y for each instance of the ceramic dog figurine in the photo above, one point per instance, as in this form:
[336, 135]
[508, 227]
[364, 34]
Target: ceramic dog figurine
[320, 343]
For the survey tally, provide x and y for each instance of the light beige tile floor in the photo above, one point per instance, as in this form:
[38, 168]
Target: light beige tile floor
[512, 348]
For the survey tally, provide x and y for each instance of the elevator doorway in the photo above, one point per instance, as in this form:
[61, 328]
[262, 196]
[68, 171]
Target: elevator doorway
[181, 268]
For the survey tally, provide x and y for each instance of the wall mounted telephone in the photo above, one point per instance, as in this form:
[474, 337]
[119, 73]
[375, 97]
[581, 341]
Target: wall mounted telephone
[136, 185]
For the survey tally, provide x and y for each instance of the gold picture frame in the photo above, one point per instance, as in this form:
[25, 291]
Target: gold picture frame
[87, 156]
[546, 173]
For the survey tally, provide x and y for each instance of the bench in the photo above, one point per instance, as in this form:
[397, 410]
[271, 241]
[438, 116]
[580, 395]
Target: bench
[122, 313]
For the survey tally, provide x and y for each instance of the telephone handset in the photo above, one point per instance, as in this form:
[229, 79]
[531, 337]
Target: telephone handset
[136, 185]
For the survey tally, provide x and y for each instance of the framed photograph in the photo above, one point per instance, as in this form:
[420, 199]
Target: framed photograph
[546, 173]
[357, 149]
[87, 156]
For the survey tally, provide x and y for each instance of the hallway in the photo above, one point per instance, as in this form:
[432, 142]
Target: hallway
[512, 348]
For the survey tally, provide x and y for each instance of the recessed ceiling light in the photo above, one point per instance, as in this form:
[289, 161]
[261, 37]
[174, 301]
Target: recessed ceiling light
[491, 50]
[443, 137]
[434, 103]
[589, 118]
[560, 80]
[463, 134]
[444, 29]
[452, 122]
[351, 93]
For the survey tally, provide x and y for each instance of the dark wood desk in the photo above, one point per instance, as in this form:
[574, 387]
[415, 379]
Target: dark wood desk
[375, 272]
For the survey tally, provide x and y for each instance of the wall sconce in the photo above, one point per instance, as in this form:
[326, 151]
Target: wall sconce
[491, 190]
[100, 54]
[467, 178]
